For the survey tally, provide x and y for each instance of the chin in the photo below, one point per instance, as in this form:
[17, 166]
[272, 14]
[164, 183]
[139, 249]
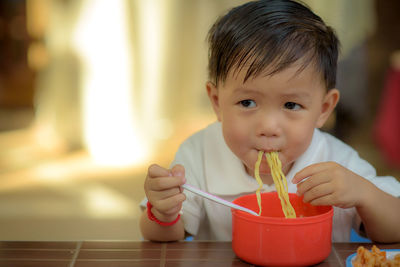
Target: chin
[265, 171]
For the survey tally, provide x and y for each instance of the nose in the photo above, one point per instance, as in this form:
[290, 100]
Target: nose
[269, 125]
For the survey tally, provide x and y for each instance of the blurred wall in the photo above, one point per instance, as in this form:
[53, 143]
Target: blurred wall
[153, 55]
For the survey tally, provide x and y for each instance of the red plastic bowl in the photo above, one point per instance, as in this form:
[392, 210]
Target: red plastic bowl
[271, 239]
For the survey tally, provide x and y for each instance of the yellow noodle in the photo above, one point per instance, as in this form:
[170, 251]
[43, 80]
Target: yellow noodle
[259, 181]
[280, 183]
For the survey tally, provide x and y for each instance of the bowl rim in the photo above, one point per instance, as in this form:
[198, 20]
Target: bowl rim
[281, 220]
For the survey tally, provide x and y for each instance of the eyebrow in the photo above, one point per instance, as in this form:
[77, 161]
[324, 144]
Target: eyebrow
[246, 90]
[300, 95]
[250, 90]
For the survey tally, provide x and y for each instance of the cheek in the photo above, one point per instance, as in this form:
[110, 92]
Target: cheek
[300, 139]
[236, 135]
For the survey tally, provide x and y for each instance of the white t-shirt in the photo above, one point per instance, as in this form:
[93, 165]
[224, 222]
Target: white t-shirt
[211, 166]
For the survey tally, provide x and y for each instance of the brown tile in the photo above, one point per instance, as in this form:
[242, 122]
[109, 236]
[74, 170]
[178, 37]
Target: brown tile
[239, 263]
[208, 263]
[120, 245]
[331, 260]
[41, 245]
[200, 254]
[119, 254]
[348, 246]
[31, 263]
[343, 254]
[117, 263]
[332, 257]
[328, 264]
[36, 254]
[199, 245]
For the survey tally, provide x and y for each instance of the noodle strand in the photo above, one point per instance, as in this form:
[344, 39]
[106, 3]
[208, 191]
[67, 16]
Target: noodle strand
[259, 181]
[280, 183]
[279, 180]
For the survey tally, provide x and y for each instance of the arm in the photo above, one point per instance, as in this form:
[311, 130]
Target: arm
[330, 183]
[380, 213]
[162, 188]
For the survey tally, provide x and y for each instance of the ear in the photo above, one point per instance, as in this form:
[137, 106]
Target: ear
[328, 105]
[212, 92]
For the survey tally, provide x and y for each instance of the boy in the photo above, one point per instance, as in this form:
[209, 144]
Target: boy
[272, 71]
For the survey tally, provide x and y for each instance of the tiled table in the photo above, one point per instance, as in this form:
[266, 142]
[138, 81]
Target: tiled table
[143, 254]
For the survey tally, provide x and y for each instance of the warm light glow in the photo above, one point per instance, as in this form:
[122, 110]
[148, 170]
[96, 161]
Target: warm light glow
[103, 202]
[37, 55]
[151, 41]
[37, 17]
[111, 130]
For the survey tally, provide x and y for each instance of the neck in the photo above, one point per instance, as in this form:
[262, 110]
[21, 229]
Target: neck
[267, 179]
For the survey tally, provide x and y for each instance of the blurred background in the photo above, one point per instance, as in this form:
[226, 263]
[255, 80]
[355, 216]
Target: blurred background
[93, 91]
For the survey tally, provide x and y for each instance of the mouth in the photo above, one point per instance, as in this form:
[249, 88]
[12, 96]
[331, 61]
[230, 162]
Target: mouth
[269, 150]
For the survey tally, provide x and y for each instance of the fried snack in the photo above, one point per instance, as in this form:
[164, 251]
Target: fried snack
[374, 258]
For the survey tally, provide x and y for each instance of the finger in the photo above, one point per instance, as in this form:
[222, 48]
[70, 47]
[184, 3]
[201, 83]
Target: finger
[317, 192]
[155, 171]
[164, 183]
[313, 181]
[168, 204]
[309, 171]
[322, 201]
[164, 193]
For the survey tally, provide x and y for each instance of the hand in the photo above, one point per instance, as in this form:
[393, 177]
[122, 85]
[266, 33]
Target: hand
[164, 192]
[330, 183]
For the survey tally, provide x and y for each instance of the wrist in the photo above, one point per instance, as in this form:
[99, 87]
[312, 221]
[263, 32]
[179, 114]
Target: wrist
[369, 196]
[160, 218]
[163, 217]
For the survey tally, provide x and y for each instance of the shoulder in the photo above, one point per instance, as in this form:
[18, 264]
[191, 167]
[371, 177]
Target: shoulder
[333, 143]
[192, 152]
[333, 149]
[195, 142]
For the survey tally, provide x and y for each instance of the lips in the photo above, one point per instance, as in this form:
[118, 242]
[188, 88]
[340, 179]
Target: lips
[268, 150]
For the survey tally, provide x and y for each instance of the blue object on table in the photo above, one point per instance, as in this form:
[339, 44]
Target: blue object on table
[189, 238]
[355, 237]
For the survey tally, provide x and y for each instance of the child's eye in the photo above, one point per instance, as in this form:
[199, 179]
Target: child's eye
[248, 103]
[292, 106]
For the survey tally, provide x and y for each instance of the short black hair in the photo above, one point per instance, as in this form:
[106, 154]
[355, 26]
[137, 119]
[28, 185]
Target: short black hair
[271, 35]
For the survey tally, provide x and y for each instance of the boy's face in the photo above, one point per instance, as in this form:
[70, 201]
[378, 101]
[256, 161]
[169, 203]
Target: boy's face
[271, 113]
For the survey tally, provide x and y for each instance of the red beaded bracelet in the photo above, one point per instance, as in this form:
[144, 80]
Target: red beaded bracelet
[153, 218]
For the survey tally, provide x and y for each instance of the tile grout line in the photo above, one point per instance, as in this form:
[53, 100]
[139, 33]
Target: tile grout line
[75, 256]
[163, 254]
[337, 257]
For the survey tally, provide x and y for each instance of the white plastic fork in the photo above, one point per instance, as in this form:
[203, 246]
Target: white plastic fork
[217, 199]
